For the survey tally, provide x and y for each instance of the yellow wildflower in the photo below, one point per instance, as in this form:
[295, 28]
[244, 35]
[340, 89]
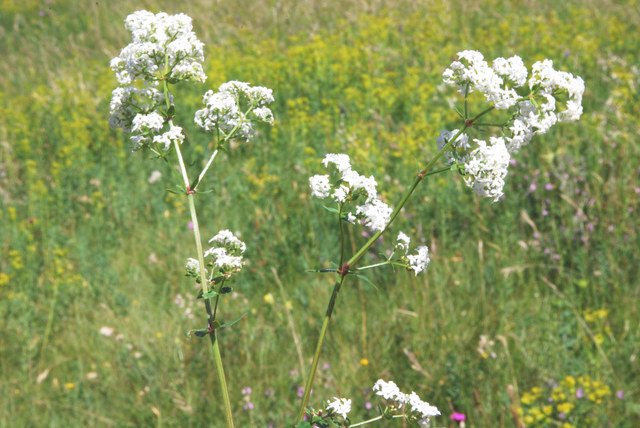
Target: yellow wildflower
[4, 279]
[565, 407]
[268, 299]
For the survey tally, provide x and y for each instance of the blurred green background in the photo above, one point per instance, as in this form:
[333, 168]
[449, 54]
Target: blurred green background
[548, 276]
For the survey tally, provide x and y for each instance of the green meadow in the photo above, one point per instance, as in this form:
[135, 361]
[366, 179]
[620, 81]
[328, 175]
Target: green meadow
[528, 314]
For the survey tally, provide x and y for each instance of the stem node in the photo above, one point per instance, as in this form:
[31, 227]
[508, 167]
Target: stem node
[344, 270]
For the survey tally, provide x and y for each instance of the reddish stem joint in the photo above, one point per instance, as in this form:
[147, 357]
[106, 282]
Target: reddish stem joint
[468, 123]
[190, 191]
[343, 270]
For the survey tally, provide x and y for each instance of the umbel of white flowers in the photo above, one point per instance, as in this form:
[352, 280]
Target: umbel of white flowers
[415, 409]
[223, 258]
[415, 262]
[345, 185]
[165, 49]
[162, 47]
[397, 404]
[535, 104]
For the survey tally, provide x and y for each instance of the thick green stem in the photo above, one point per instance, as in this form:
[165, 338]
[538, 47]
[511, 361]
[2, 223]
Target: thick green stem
[217, 357]
[204, 282]
[316, 355]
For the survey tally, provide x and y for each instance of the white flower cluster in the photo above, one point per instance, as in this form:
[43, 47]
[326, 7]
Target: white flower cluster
[421, 410]
[163, 47]
[339, 406]
[127, 102]
[549, 86]
[472, 73]
[483, 163]
[193, 267]
[417, 262]
[485, 167]
[226, 253]
[234, 108]
[350, 186]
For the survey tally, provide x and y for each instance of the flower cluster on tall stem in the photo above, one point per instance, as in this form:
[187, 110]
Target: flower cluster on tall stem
[522, 105]
[164, 51]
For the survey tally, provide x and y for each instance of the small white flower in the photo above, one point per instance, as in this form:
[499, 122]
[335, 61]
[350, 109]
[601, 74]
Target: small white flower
[513, 69]
[106, 331]
[389, 391]
[161, 44]
[320, 186]
[173, 134]
[418, 262]
[422, 408]
[226, 238]
[339, 406]
[486, 167]
[226, 252]
[154, 177]
[375, 214]
[227, 109]
[193, 267]
[402, 243]
[341, 161]
[152, 122]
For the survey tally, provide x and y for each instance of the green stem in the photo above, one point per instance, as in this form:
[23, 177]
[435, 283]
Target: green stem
[341, 235]
[217, 357]
[316, 355]
[350, 264]
[377, 418]
[205, 169]
[419, 177]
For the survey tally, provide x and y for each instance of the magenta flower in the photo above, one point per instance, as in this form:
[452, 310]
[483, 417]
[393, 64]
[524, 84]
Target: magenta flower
[458, 417]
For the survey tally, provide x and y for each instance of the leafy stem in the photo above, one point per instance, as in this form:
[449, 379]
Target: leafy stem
[217, 357]
[349, 265]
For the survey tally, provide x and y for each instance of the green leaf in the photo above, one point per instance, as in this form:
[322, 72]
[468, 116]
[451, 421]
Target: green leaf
[331, 210]
[208, 295]
[181, 191]
[303, 424]
[366, 280]
[200, 332]
[231, 323]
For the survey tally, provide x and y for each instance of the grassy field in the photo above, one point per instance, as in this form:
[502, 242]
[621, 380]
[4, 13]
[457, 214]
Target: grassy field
[538, 290]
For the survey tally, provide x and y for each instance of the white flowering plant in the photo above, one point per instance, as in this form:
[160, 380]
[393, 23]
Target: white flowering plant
[502, 97]
[164, 51]
[504, 106]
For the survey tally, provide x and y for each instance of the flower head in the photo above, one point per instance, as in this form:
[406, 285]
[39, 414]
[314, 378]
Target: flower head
[339, 406]
[418, 262]
[163, 47]
[345, 185]
[234, 109]
[225, 255]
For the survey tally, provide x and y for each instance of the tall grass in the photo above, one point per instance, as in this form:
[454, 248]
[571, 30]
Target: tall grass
[88, 242]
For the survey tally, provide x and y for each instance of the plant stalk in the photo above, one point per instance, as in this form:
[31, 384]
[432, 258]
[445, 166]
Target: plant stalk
[217, 357]
[316, 355]
[350, 264]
